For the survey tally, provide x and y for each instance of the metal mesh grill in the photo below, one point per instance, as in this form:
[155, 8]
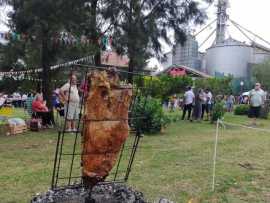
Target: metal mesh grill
[67, 170]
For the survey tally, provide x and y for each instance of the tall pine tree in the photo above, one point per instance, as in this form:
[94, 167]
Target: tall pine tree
[41, 21]
[142, 24]
[45, 19]
[137, 26]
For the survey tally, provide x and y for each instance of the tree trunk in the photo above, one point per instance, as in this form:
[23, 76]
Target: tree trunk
[94, 34]
[45, 59]
[46, 75]
[131, 67]
[131, 63]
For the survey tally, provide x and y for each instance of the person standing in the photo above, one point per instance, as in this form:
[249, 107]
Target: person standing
[176, 103]
[84, 88]
[188, 102]
[24, 98]
[209, 97]
[19, 100]
[15, 99]
[230, 102]
[28, 103]
[57, 104]
[70, 95]
[2, 100]
[207, 105]
[256, 98]
[199, 100]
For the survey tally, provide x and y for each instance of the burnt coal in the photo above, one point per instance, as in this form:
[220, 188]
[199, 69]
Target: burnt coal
[107, 193]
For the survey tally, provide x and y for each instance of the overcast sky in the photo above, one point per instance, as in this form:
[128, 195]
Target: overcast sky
[251, 14]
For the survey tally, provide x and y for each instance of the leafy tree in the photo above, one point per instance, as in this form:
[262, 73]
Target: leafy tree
[137, 27]
[236, 85]
[97, 24]
[164, 86]
[261, 74]
[144, 24]
[8, 85]
[41, 21]
[173, 85]
[217, 86]
[45, 20]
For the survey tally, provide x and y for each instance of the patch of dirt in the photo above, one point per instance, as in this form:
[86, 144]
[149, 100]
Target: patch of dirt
[247, 166]
[32, 146]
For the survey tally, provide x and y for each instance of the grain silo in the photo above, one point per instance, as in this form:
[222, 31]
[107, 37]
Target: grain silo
[186, 54]
[230, 57]
[226, 56]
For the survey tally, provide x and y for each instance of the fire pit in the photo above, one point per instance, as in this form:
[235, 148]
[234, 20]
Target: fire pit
[102, 193]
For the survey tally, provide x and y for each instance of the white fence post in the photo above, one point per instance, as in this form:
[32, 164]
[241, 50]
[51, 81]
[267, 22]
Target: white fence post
[215, 156]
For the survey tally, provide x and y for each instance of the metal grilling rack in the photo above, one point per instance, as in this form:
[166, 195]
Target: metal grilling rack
[67, 168]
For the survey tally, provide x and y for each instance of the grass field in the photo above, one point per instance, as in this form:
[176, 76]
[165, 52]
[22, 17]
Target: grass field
[176, 164]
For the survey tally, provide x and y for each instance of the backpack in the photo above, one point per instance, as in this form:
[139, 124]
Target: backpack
[35, 124]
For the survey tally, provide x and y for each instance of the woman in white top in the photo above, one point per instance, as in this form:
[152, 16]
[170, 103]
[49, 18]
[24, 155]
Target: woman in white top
[70, 96]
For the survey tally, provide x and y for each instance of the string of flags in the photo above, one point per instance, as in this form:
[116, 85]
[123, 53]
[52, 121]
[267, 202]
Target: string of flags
[27, 78]
[36, 79]
[60, 39]
[55, 67]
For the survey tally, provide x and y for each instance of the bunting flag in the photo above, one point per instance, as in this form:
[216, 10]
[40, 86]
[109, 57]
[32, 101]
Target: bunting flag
[35, 79]
[38, 80]
[61, 39]
[38, 70]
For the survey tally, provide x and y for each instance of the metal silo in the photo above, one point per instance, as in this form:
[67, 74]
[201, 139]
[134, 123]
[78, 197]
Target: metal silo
[260, 53]
[229, 58]
[187, 54]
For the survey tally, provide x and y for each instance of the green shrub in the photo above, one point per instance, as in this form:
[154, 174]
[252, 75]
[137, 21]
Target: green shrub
[244, 110]
[163, 86]
[241, 110]
[218, 111]
[151, 115]
[217, 86]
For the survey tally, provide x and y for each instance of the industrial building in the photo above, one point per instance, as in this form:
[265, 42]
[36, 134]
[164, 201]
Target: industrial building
[234, 58]
[187, 54]
[226, 56]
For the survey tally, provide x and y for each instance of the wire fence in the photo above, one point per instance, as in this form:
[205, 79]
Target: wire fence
[68, 162]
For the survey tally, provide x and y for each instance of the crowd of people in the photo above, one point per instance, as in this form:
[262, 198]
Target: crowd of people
[65, 100]
[198, 105]
[16, 99]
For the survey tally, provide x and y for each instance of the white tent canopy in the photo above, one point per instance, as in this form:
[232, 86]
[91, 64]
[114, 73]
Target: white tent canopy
[245, 94]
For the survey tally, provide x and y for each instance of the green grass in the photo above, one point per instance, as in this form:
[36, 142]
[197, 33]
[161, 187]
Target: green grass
[176, 164]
